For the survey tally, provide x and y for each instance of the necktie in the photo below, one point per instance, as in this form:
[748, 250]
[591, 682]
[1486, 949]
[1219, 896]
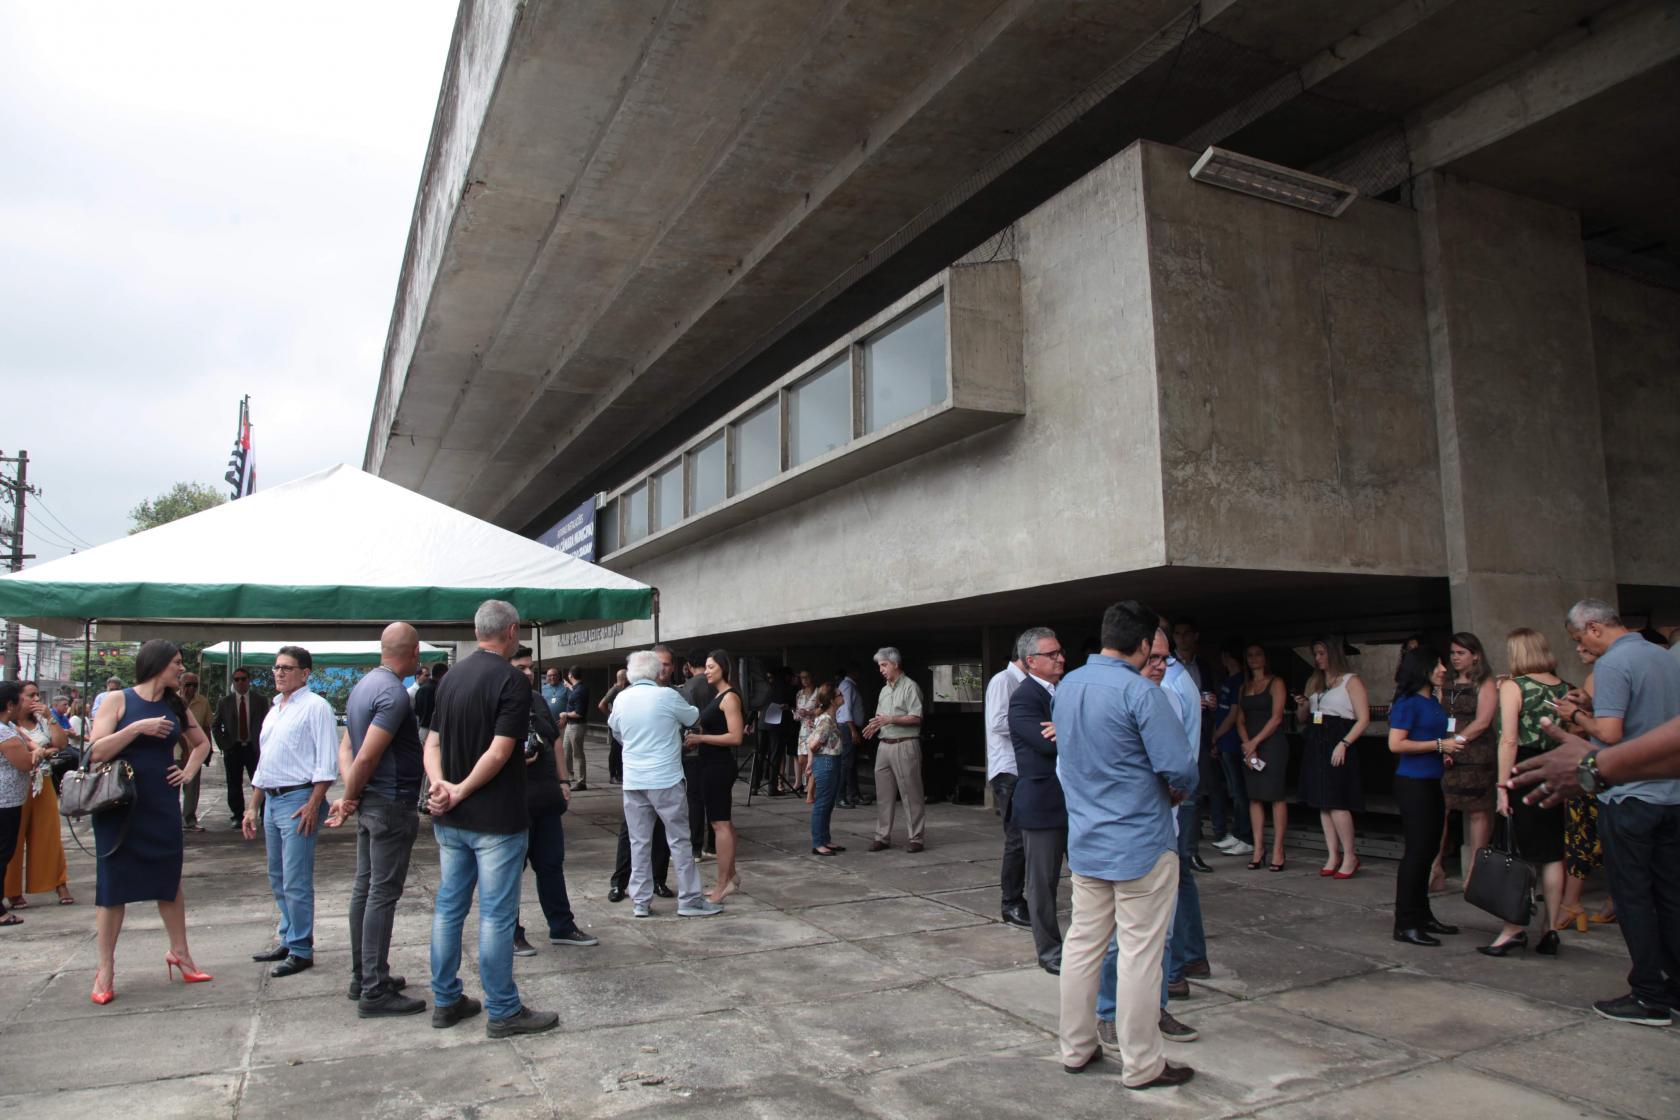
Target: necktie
[244, 723]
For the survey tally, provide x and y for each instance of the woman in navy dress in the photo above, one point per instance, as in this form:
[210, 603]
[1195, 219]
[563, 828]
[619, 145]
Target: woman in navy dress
[139, 847]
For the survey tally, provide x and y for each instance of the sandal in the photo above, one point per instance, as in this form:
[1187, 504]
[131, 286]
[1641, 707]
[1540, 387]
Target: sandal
[10, 919]
[65, 898]
[1254, 865]
[1572, 916]
[1274, 867]
[1603, 918]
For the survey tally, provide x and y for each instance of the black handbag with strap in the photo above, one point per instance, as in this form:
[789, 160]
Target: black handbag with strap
[1503, 883]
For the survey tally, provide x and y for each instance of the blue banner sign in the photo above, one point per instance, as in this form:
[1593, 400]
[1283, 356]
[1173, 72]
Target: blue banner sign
[575, 533]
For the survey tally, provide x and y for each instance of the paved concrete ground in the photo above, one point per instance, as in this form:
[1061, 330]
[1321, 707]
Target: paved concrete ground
[864, 985]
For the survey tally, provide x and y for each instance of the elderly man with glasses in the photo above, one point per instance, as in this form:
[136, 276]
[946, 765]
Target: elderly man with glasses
[297, 763]
[193, 697]
[239, 719]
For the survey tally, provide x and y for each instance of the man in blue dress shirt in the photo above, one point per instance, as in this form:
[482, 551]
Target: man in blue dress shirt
[1124, 762]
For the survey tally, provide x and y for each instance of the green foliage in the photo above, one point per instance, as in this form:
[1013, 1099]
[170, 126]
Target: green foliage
[181, 500]
[110, 659]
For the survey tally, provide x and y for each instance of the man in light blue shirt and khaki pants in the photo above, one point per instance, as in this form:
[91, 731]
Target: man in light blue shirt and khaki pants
[1124, 762]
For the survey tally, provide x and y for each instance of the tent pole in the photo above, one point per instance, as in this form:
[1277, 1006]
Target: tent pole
[87, 686]
[656, 616]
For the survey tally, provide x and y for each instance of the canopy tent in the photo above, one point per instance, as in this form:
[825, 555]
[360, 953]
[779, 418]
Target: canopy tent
[325, 655]
[335, 554]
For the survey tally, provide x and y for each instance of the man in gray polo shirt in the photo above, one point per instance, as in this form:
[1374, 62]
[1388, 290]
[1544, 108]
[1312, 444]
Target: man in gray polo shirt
[380, 758]
[1636, 689]
[898, 761]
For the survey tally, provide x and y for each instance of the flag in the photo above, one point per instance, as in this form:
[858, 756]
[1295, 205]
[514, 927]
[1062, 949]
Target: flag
[242, 464]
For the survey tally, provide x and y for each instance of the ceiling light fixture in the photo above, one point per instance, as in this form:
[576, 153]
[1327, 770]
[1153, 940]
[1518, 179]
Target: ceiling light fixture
[1273, 182]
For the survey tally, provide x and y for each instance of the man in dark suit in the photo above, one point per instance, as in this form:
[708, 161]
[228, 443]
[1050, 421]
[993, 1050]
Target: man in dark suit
[1186, 637]
[237, 729]
[1038, 808]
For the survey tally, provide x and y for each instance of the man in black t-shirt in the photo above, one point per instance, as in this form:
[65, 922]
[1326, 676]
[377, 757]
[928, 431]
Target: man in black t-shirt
[478, 801]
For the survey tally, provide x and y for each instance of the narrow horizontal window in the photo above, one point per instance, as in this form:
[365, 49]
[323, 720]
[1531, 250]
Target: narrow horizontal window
[904, 366]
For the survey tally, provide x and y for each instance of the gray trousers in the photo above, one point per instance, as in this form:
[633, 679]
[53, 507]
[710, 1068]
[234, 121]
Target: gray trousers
[1014, 872]
[577, 763]
[669, 806]
[1045, 848]
[385, 831]
[898, 773]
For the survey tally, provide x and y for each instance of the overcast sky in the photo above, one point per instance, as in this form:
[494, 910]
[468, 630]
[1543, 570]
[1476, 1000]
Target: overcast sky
[200, 200]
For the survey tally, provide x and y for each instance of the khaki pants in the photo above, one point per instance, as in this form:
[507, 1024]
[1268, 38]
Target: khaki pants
[1137, 912]
[577, 766]
[898, 773]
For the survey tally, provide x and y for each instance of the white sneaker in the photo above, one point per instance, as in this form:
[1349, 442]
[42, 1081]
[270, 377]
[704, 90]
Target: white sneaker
[1225, 842]
[702, 907]
[1240, 848]
[641, 910]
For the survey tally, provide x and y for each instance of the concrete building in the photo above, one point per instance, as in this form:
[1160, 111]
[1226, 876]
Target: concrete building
[882, 322]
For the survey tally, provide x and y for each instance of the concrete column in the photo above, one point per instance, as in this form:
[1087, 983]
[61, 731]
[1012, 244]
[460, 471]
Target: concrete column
[1517, 410]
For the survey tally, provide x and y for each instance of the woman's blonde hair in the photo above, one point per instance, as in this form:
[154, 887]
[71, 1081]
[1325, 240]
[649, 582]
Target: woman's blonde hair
[1336, 666]
[1528, 652]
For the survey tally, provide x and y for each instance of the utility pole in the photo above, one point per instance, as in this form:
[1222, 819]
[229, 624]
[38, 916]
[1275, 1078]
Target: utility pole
[20, 490]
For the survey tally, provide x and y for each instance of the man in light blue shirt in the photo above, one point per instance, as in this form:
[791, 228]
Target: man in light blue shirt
[1187, 943]
[649, 721]
[1124, 762]
[1636, 689]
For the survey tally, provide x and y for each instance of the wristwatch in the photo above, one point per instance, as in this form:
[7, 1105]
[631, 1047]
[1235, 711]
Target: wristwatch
[1586, 772]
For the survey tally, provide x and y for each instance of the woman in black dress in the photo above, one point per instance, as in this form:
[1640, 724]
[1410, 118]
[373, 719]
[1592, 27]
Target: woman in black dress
[139, 847]
[1265, 754]
[721, 726]
[1334, 711]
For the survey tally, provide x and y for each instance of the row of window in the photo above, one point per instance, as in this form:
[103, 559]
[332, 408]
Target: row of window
[902, 372]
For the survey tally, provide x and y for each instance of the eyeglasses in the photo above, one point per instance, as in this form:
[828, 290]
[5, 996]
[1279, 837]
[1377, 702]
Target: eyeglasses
[1157, 659]
[1054, 654]
[287, 668]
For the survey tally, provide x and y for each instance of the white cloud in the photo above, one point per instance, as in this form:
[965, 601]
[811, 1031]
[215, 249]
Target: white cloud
[201, 201]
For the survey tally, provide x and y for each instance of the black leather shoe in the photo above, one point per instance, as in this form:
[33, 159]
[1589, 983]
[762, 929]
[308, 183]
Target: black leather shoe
[1178, 989]
[1549, 943]
[292, 965]
[1503, 948]
[1200, 864]
[1197, 970]
[394, 984]
[1432, 926]
[661, 890]
[615, 894]
[1415, 937]
[388, 1003]
[276, 953]
[1016, 916]
[464, 1008]
[1169, 1076]
[1054, 968]
[1094, 1059]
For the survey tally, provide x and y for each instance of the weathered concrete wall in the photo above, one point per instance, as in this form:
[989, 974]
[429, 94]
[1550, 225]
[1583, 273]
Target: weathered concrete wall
[1517, 396]
[1071, 491]
[1297, 430]
[1636, 342]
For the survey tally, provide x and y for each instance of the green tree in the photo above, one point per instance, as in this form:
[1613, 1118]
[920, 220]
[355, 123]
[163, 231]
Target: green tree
[181, 500]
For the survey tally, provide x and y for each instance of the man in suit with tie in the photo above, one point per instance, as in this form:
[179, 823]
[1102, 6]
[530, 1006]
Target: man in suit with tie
[1038, 808]
[237, 729]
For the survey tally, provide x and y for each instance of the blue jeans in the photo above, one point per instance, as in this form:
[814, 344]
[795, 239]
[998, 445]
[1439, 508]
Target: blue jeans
[1109, 979]
[493, 862]
[1231, 766]
[1186, 942]
[825, 772]
[291, 870]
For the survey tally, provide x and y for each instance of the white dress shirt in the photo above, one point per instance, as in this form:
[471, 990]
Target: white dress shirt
[1000, 748]
[851, 708]
[299, 742]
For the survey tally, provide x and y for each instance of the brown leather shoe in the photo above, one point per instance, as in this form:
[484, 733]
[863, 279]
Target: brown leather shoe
[879, 846]
[1096, 1056]
[1169, 1076]
[915, 846]
[1198, 970]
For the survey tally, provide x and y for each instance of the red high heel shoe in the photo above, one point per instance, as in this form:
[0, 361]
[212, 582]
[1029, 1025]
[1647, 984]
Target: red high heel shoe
[102, 998]
[188, 974]
[1349, 874]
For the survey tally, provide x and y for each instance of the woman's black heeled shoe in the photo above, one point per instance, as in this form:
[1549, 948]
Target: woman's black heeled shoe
[1520, 941]
[1549, 943]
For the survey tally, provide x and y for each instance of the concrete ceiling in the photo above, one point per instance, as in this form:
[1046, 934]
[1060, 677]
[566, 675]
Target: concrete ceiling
[662, 195]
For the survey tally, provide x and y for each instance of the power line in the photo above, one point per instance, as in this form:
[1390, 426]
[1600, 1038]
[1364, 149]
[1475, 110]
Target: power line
[75, 536]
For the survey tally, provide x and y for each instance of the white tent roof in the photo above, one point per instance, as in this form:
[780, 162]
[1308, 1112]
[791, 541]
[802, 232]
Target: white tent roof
[326, 654]
[338, 553]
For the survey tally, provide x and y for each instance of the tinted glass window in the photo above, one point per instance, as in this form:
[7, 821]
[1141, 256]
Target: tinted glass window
[758, 449]
[705, 466]
[668, 496]
[636, 514]
[904, 366]
[820, 412]
[606, 527]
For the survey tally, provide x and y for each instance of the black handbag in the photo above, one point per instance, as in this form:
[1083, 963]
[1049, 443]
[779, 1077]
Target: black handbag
[1503, 884]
